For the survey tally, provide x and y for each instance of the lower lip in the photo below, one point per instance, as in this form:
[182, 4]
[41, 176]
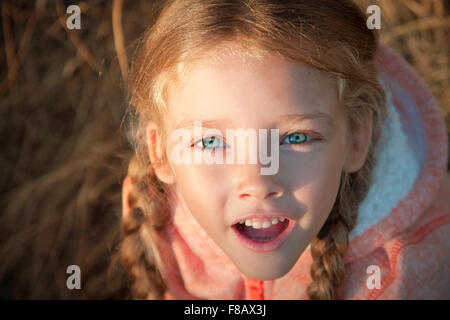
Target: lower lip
[266, 246]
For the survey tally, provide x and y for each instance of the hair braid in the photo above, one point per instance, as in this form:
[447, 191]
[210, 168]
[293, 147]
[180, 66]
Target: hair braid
[328, 250]
[140, 227]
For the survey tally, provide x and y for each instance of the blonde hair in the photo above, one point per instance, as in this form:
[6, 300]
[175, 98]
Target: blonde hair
[328, 35]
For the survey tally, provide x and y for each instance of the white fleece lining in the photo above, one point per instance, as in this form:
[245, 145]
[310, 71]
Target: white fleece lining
[394, 174]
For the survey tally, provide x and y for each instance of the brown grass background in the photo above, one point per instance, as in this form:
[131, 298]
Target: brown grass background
[63, 155]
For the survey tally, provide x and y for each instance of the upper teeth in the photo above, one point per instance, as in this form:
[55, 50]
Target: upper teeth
[261, 223]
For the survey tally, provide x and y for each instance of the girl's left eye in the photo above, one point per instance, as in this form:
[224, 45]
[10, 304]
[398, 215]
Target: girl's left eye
[296, 138]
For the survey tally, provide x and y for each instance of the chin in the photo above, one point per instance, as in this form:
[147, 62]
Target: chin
[265, 275]
[266, 272]
[269, 267]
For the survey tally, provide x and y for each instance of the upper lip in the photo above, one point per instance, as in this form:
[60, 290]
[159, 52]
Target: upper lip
[264, 214]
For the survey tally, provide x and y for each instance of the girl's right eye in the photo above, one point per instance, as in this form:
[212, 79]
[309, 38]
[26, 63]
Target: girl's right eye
[212, 142]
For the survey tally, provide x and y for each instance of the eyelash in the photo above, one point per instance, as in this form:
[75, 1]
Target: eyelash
[309, 134]
[306, 133]
[202, 139]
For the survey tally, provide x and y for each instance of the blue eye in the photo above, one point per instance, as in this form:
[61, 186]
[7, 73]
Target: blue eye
[296, 138]
[211, 142]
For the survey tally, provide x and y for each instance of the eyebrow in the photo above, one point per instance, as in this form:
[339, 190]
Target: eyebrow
[287, 119]
[215, 123]
[296, 118]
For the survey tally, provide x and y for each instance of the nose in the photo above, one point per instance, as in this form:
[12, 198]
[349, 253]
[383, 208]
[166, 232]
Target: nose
[258, 188]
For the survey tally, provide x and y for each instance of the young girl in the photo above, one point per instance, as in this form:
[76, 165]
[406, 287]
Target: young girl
[358, 207]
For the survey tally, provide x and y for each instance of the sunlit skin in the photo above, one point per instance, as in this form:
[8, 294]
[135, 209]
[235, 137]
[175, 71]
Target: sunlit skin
[313, 152]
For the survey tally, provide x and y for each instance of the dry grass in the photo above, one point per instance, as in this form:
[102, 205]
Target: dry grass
[420, 31]
[64, 157]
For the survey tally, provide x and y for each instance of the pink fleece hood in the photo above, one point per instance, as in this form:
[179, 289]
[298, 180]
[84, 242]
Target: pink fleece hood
[403, 224]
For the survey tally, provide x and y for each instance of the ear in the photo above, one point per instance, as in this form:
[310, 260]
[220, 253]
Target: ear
[359, 143]
[126, 188]
[158, 158]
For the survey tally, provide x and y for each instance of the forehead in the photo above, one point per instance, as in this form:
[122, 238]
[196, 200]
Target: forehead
[250, 91]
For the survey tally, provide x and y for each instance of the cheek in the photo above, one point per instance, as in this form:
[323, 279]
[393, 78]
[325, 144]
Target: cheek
[319, 197]
[318, 183]
[198, 186]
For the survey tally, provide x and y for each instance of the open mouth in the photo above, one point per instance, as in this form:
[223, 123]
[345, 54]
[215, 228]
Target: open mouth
[266, 230]
[263, 234]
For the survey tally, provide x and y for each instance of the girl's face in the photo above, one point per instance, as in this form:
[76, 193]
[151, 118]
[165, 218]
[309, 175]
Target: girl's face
[314, 147]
